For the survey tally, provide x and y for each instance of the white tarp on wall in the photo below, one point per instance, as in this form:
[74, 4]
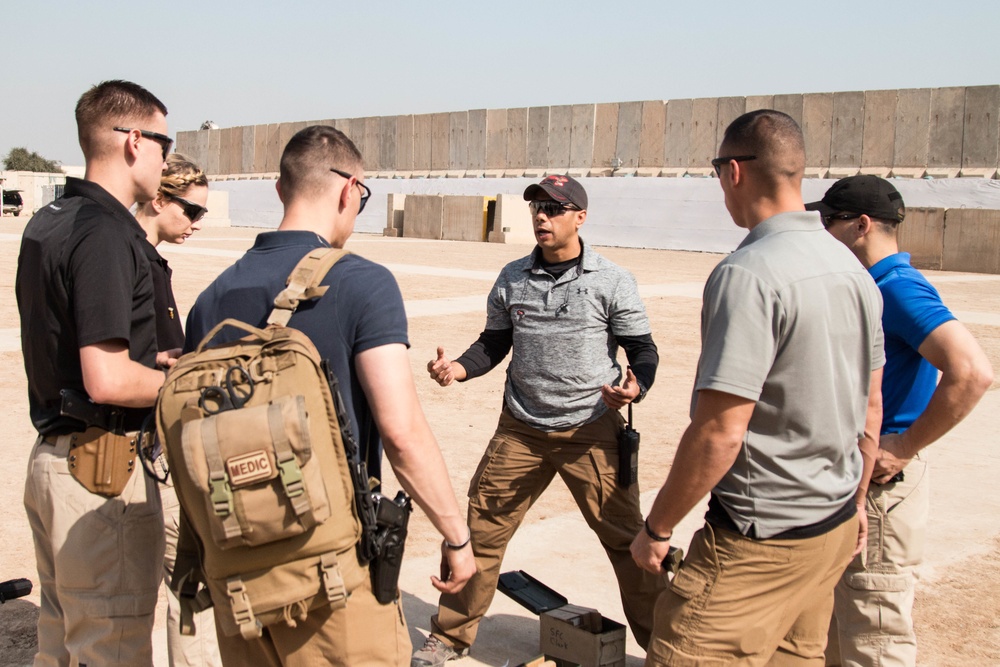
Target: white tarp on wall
[667, 213]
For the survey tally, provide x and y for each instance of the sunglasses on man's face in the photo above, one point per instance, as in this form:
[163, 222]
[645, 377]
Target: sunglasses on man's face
[549, 208]
[162, 139]
[719, 161]
[365, 191]
[828, 220]
[193, 212]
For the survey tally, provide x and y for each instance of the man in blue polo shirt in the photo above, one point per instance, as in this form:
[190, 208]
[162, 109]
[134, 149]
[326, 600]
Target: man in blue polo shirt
[874, 598]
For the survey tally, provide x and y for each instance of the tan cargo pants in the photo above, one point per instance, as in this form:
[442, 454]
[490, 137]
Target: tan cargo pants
[364, 632]
[517, 467]
[98, 563]
[738, 602]
[200, 649]
[873, 618]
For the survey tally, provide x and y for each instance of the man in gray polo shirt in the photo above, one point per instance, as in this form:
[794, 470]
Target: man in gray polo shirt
[565, 310]
[784, 424]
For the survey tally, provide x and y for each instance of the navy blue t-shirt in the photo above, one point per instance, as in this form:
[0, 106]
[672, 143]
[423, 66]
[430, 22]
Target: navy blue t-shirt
[363, 309]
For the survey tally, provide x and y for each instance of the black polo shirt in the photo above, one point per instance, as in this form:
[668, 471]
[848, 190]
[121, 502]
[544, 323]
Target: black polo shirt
[169, 332]
[82, 278]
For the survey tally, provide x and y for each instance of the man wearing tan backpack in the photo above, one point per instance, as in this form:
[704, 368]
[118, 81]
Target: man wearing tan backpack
[359, 327]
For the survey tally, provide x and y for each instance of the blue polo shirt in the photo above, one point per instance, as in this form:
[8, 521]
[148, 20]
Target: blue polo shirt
[912, 310]
[363, 309]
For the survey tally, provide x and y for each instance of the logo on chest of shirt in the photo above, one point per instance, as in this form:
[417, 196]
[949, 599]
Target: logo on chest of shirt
[561, 300]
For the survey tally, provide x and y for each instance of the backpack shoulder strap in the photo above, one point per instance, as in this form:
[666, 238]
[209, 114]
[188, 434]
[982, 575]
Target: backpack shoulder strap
[303, 283]
[187, 581]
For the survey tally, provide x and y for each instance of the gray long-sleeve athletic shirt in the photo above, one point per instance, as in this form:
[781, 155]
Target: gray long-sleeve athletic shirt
[565, 332]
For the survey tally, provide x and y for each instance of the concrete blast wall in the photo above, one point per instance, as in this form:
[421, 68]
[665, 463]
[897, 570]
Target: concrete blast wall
[936, 132]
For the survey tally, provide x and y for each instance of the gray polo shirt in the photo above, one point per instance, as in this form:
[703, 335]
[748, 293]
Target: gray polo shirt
[564, 336]
[792, 321]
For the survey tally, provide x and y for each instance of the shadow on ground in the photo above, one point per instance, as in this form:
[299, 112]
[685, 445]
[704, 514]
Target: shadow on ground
[18, 639]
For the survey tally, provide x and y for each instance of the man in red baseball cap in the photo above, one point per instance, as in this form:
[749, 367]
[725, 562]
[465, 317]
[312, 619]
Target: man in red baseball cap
[564, 310]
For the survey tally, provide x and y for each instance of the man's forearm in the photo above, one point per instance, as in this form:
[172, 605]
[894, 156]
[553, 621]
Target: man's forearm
[486, 353]
[698, 466]
[952, 401]
[421, 471]
[706, 452]
[409, 444]
[868, 443]
[966, 374]
[642, 356]
[112, 378]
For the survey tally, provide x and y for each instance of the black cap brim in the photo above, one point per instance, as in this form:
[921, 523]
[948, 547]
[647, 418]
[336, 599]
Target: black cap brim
[823, 209]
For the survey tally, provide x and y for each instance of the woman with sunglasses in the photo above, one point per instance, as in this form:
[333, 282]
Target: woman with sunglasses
[173, 216]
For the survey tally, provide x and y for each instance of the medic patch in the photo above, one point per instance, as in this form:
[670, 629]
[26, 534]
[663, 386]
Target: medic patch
[248, 468]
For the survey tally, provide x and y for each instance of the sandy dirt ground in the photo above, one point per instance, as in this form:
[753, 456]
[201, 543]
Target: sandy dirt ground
[445, 286]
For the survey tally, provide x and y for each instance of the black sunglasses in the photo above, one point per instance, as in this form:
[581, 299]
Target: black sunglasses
[828, 220]
[549, 207]
[193, 212]
[162, 139]
[719, 161]
[365, 192]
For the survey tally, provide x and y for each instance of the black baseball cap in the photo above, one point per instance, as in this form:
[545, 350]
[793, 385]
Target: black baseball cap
[563, 189]
[865, 194]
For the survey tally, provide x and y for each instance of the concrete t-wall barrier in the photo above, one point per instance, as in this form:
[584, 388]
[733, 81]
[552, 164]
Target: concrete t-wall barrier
[422, 217]
[922, 235]
[879, 133]
[629, 137]
[462, 218]
[935, 132]
[971, 240]
[512, 223]
[981, 138]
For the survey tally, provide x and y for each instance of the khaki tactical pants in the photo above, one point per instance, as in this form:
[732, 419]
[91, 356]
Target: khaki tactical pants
[200, 649]
[364, 632]
[873, 618]
[98, 563]
[517, 467]
[740, 602]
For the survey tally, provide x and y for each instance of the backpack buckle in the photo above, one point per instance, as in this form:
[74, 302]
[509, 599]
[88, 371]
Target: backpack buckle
[222, 494]
[291, 476]
[333, 580]
[243, 614]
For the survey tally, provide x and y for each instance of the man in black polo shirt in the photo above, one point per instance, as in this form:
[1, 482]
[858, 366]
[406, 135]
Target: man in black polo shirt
[85, 296]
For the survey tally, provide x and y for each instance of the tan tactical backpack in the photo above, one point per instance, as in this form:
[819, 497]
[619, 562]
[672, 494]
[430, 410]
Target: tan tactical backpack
[254, 444]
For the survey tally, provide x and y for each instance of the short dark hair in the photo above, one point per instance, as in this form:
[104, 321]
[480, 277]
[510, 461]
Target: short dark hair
[774, 138]
[111, 103]
[309, 156]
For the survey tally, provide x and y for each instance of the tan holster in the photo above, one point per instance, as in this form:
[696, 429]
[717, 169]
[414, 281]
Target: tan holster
[102, 461]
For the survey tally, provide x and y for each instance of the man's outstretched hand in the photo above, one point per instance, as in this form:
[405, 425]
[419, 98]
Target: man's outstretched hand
[618, 397]
[443, 370]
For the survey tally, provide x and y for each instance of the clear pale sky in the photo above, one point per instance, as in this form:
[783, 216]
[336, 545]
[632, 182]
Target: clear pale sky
[251, 62]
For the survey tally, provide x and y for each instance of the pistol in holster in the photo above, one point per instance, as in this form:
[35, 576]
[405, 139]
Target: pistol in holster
[673, 560]
[383, 521]
[392, 518]
[102, 457]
